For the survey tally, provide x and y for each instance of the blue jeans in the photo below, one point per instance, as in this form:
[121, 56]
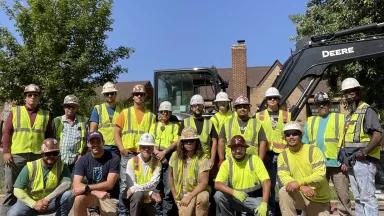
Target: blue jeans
[362, 178]
[122, 208]
[61, 205]
[227, 205]
[167, 203]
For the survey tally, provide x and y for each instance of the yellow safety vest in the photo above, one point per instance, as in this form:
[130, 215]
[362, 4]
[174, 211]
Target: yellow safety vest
[219, 119]
[275, 137]
[59, 126]
[355, 135]
[137, 164]
[332, 133]
[250, 134]
[252, 183]
[204, 136]
[27, 138]
[163, 139]
[37, 188]
[132, 130]
[106, 125]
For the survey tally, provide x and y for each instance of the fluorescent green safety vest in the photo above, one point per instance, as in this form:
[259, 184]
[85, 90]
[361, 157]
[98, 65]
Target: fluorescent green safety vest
[204, 136]
[37, 188]
[27, 138]
[333, 132]
[250, 134]
[106, 125]
[275, 137]
[355, 135]
[164, 138]
[132, 130]
[219, 119]
[137, 164]
[59, 126]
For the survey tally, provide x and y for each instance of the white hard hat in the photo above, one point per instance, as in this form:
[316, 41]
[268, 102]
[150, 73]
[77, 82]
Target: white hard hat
[350, 83]
[109, 87]
[71, 99]
[292, 125]
[146, 140]
[222, 96]
[165, 106]
[196, 99]
[272, 92]
[32, 88]
[138, 89]
[241, 100]
[321, 97]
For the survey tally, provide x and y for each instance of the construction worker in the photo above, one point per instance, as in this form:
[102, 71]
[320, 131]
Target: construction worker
[361, 144]
[188, 175]
[204, 128]
[70, 130]
[239, 180]
[273, 119]
[25, 129]
[302, 171]
[130, 125]
[103, 116]
[242, 124]
[143, 173]
[222, 104]
[166, 136]
[42, 186]
[325, 131]
[95, 177]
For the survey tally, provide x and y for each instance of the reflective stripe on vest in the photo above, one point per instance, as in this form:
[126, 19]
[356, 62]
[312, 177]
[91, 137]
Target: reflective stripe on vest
[106, 125]
[230, 175]
[140, 176]
[38, 188]
[355, 135]
[27, 138]
[219, 119]
[204, 136]
[59, 126]
[331, 134]
[191, 179]
[163, 138]
[310, 158]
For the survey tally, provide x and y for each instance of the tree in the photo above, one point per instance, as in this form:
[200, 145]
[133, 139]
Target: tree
[62, 49]
[324, 16]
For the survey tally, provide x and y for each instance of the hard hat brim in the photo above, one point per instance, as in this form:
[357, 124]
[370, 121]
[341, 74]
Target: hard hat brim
[189, 138]
[108, 91]
[225, 100]
[145, 144]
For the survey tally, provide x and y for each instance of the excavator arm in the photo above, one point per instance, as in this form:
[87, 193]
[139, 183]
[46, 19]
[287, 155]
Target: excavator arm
[313, 56]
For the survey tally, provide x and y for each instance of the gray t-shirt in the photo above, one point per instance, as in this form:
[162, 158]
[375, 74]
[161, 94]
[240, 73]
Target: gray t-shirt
[371, 122]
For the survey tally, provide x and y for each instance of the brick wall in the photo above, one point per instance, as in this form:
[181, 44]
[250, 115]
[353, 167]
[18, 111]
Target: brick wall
[239, 69]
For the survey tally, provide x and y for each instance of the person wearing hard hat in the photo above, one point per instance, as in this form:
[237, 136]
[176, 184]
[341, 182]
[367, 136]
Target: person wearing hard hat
[361, 145]
[24, 130]
[242, 124]
[302, 171]
[103, 116]
[273, 119]
[143, 173]
[188, 175]
[325, 131]
[42, 186]
[130, 125]
[204, 127]
[70, 130]
[239, 181]
[222, 104]
[166, 136]
[95, 178]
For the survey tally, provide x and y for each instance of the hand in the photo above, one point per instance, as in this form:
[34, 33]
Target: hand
[211, 162]
[156, 197]
[160, 155]
[78, 190]
[292, 186]
[123, 152]
[129, 193]
[7, 158]
[360, 155]
[100, 194]
[186, 200]
[40, 206]
[240, 195]
[344, 168]
[308, 191]
[45, 202]
[262, 209]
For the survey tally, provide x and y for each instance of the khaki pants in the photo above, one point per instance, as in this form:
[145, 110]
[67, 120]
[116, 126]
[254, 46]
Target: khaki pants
[341, 182]
[82, 202]
[198, 205]
[290, 201]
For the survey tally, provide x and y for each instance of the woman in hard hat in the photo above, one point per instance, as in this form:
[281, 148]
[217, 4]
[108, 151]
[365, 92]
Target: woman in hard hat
[222, 104]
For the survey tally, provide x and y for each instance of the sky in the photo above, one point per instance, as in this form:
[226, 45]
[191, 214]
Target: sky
[171, 34]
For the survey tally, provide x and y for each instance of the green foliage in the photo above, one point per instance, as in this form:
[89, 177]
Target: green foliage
[324, 16]
[62, 49]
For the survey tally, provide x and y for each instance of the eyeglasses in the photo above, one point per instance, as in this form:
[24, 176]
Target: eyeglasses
[273, 98]
[32, 95]
[52, 154]
[109, 94]
[291, 133]
[137, 94]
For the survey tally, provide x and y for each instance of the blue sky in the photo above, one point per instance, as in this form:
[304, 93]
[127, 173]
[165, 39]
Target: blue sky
[199, 33]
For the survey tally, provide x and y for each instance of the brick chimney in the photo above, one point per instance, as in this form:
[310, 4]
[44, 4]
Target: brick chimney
[239, 69]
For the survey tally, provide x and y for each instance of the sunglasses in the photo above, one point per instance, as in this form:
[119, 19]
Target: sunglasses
[197, 105]
[109, 94]
[52, 154]
[291, 133]
[322, 104]
[32, 95]
[69, 106]
[138, 94]
[242, 106]
[273, 98]
[189, 142]
[164, 111]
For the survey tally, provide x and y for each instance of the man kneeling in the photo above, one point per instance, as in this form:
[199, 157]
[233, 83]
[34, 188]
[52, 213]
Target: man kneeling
[238, 181]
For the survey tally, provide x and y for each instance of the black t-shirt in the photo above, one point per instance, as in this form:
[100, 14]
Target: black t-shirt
[274, 115]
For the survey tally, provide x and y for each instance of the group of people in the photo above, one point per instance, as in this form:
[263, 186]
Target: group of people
[129, 161]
